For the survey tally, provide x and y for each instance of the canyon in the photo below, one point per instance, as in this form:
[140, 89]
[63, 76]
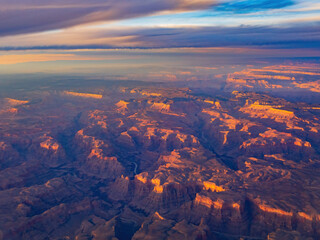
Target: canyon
[156, 161]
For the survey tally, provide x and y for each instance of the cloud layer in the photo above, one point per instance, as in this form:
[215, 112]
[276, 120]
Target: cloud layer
[25, 16]
[302, 37]
[28, 24]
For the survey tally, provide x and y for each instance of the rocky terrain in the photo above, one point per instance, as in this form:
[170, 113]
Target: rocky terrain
[156, 162]
[294, 81]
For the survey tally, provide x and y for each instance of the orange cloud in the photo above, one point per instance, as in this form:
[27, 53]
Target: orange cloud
[14, 59]
[48, 57]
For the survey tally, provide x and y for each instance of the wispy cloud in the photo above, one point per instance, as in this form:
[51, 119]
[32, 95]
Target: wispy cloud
[100, 24]
[24, 16]
[293, 37]
[28, 16]
[304, 36]
[49, 57]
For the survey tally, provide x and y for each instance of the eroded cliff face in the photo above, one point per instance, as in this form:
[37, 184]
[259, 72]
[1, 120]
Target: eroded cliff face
[160, 163]
[294, 77]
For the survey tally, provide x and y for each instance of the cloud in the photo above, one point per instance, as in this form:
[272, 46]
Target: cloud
[303, 37]
[25, 16]
[267, 37]
[48, 57]
[29, 16]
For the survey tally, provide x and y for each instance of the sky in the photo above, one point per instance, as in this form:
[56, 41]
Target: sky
[154, 39]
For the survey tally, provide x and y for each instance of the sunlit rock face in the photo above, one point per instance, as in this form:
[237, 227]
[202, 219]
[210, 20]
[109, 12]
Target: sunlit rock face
[284, 79]
[10, 106]
[83, 95]
[141, 162]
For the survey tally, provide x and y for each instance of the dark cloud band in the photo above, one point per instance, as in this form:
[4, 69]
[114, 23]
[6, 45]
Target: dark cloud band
[304, 36]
